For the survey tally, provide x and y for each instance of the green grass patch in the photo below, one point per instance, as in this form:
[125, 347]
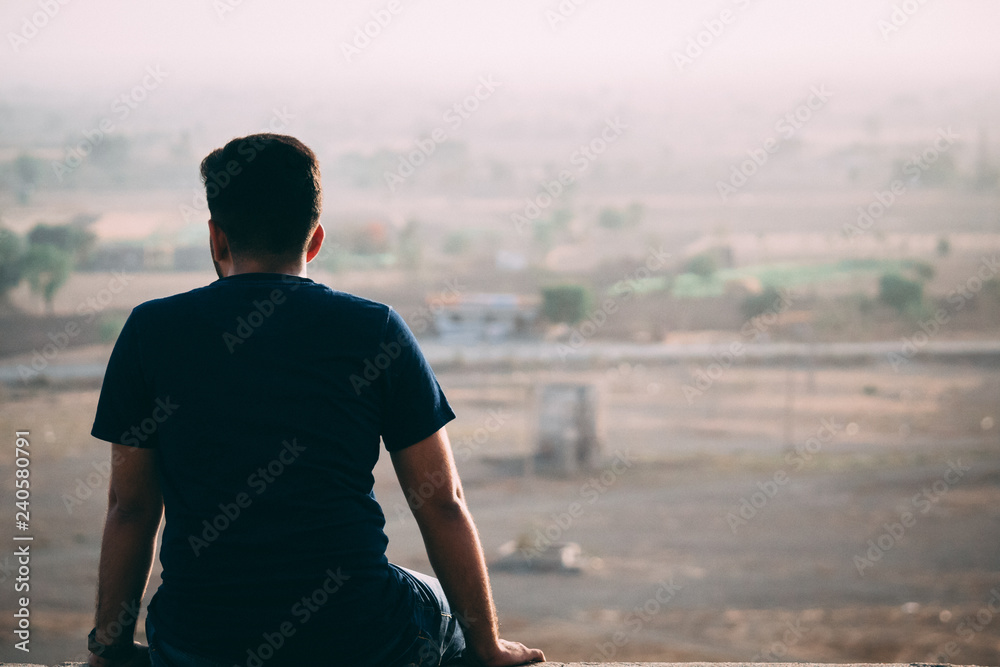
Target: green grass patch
[780, 275]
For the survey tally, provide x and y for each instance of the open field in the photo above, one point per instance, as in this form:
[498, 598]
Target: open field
[670, 575]
[693, 550]
[761, 239]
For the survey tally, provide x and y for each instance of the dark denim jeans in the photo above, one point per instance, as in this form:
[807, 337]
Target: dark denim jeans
[439, 642]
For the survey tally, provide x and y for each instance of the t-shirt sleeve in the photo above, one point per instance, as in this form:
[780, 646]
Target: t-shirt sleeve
[126, 404]
[416, 407]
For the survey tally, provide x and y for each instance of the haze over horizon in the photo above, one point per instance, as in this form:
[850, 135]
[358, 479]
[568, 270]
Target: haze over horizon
[434, 43]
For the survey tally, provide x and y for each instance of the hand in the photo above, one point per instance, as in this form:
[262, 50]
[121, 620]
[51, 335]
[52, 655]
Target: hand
[506, 654]
[138, 658]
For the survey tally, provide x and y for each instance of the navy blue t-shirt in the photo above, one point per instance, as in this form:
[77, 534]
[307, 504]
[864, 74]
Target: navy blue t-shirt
[265, 397]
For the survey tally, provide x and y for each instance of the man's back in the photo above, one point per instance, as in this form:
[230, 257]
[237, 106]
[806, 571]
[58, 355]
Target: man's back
[249, 413]
[265, 396]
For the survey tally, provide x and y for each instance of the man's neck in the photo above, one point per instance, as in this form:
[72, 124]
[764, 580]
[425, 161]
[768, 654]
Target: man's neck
[294, 268]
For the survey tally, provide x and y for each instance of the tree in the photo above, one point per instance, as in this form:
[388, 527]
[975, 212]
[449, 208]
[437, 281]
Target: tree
[613, 218]
[901, 293]
[10, 262]
[943, 246]
[565, 303]
[769, 300]
[47, 268]
[923, 270]
[456, 243]
[72, 239]
[561, 218]
[702, 265]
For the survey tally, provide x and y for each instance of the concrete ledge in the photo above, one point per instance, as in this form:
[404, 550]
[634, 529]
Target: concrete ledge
[633, 664]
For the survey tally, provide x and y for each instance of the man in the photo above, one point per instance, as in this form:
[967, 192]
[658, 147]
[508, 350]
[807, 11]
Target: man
[249, 413]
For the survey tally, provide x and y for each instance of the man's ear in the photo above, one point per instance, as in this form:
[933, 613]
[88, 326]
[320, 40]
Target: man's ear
[315, 242]
[219, 242]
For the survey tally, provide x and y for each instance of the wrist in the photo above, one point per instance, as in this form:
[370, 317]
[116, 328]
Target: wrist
[110, 651]
[485, 650]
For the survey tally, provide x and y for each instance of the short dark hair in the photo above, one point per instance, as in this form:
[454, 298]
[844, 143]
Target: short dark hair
[264, 191]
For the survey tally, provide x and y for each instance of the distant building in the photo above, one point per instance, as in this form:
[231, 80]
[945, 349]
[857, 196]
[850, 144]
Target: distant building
[511, 262]
[476, 318]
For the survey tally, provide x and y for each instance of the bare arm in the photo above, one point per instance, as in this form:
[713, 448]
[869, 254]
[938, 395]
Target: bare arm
[135, 507]
[454, 549]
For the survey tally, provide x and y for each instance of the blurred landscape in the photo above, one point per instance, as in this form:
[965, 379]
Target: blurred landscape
[774, 268]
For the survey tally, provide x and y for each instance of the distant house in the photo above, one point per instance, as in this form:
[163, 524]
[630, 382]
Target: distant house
[475, 318]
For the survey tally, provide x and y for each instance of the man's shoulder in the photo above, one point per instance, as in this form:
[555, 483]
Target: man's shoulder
[172, 300]
[313, 294]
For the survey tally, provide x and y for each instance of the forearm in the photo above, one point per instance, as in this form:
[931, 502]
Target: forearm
[126, 558]
[454, 549]
[456, 555]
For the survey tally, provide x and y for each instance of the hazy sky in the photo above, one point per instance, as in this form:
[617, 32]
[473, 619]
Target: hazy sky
[107, 43]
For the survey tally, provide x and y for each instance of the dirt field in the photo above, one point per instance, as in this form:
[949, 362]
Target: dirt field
[678, 567]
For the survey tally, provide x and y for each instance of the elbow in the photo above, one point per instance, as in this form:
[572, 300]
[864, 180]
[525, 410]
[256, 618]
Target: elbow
[134, 510]
[443, 508]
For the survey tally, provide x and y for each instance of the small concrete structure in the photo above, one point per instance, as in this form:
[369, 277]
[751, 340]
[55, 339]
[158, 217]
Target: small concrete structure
[559, 557]
[567, 429]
